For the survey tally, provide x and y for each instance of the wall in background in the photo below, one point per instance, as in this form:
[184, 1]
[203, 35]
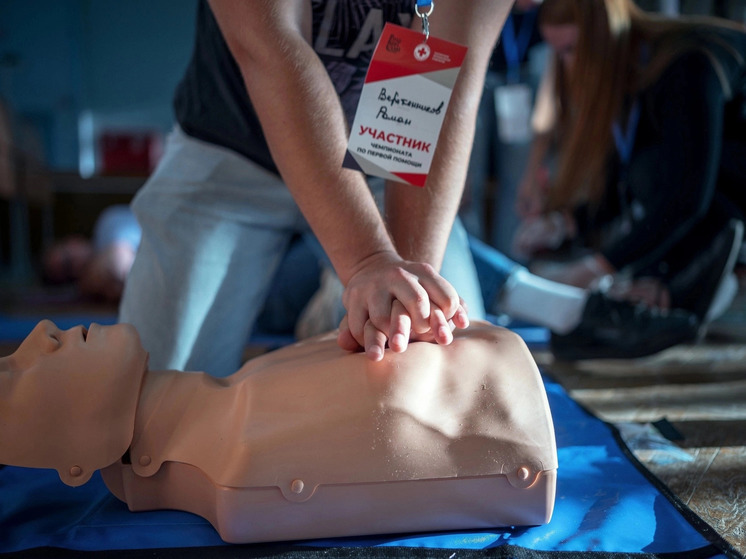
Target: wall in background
[60, 59]
[119, 61]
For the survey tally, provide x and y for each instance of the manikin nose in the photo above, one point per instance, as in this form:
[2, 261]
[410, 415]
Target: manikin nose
[49, 329]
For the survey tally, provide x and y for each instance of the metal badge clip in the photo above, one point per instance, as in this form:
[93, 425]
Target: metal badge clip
[424, 15]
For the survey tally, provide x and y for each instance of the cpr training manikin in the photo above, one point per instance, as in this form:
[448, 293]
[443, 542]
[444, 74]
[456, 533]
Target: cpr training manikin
[304, 442]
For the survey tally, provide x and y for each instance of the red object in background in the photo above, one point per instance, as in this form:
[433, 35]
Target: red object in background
[128, 152]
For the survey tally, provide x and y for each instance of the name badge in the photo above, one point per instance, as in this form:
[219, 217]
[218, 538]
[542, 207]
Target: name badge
[402, 105]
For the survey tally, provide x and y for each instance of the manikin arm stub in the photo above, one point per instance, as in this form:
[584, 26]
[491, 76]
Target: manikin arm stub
[69, 403]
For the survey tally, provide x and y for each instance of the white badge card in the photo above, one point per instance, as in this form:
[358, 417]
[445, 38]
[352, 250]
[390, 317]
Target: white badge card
[402, 105]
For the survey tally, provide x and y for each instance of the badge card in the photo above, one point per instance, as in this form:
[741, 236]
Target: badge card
[402, 105]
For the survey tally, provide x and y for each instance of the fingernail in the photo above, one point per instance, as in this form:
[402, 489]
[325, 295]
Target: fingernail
[375, 353]
[399, 342]
[444, 333]
[464, 317]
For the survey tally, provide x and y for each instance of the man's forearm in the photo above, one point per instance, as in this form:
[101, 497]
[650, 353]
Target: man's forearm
[305, 129]
[420, 219]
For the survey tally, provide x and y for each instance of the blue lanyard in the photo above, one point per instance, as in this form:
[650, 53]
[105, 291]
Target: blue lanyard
[423, 3]
[515, 47]
[625, 140]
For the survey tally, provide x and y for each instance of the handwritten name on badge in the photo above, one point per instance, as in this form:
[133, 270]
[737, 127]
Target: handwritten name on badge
[402, 105]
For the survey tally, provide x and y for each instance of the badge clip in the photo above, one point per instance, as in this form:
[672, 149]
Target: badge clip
[424, 15]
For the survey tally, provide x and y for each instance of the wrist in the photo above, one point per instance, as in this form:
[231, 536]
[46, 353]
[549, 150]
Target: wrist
[375, 259]
[598, 265]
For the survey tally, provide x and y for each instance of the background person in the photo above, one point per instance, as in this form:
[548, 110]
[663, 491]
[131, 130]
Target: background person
[98, 266]
[648, 115]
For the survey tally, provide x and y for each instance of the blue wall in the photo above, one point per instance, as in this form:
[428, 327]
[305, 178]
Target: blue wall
[61, 58]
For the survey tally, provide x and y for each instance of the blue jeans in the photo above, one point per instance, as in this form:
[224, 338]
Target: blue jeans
[215, 228]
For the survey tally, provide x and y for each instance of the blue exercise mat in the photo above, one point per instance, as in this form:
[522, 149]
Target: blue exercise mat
[608, 505]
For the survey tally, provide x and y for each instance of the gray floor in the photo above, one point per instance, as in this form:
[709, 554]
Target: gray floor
[701, 391]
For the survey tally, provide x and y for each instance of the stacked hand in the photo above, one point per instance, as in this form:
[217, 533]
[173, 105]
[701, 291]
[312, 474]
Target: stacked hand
[392, 301]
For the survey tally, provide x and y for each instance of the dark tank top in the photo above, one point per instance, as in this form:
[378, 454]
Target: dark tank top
[211, 102]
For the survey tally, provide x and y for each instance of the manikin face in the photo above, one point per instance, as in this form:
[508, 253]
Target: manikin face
[68, 398]
[563, 39]
[101, 348]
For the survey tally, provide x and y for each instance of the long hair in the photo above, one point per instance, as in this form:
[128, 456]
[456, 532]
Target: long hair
[608, 67]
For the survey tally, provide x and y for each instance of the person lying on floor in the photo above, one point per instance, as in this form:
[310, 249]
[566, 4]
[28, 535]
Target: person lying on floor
[306, 441]
[99, 265]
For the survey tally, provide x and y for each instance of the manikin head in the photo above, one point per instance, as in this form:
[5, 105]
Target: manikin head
[57, 388]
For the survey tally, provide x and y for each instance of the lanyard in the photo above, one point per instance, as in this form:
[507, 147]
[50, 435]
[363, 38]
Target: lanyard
[515, 47]
[625, 140]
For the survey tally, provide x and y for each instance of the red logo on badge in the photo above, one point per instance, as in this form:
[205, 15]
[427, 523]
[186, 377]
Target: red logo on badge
[422, 52]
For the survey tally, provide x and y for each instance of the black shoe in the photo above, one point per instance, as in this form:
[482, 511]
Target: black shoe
[611, 329]
[695, 287]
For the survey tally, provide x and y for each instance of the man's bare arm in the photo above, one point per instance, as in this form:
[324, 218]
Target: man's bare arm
[420, 219]
[416, 216]
[306, 131]
[303, 122]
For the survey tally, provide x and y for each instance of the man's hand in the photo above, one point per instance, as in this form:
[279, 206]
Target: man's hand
[391, 300]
